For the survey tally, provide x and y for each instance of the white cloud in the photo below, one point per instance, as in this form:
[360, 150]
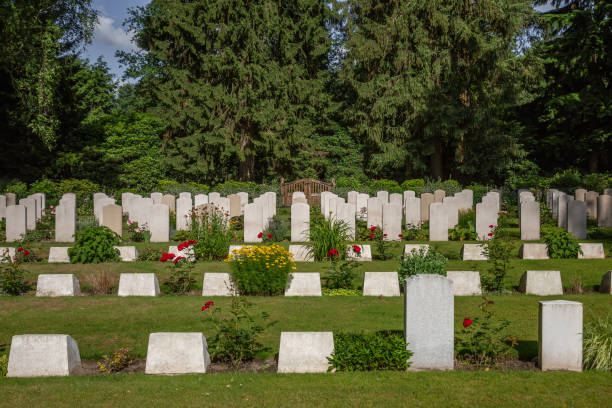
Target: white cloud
[107, 34]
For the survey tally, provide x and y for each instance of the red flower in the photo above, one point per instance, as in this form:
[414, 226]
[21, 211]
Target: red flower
[178, 259]
[490, 234]
[20, 250]
[180, 247]
[208, 305]
[269, 236]
[384, 235]
[26, 252]
[356, 249]
[192, 242]
[333, 252]
[260, 235]
[371, 236]
[490, 226]
[166, 256]
[400, 236]
[467, 322]
[372, 228]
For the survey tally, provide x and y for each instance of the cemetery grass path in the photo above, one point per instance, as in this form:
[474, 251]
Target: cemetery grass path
[373, 389]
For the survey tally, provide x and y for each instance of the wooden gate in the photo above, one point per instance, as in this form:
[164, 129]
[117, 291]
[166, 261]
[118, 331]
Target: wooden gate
[310, 187]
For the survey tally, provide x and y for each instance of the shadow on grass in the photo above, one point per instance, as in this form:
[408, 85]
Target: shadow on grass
[527, 349]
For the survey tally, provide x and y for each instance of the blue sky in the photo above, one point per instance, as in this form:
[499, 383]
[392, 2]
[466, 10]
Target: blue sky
[109, 34]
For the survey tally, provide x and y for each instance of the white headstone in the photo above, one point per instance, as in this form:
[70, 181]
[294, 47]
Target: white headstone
[533, 251]
[301, 253]
[127, 253]
[253, 222]
[530, 220]
[363, 256]
[305, 352]
[214, 197]
[396, 198]
[57, 285]
[562, 201]
[65, 221]
[362, 206]
[200, 199]
[217, 284]
[577, 219]
[187, 253]
[591, 250]
[58, 254]
[438, 222]
[177, 353]
[183, 213]
[351, 197]
[375, 212]
[15, 222]
[408, 248]
[604, 211]
[43, 355]
[304, 284]
[542, 283]
[2, 207]
[381, 284]
[465, 283]
[160, 223]
[30, 205]
[185, 195]
[156, 197]
[474, 252]
[138, 284]
[451, 205]
[413, 212]
[560, 335]
[383, 196]
[392, 221]
[300, 222]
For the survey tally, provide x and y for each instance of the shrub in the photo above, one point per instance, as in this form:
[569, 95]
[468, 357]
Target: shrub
[390, 186]
[561, 244]
[237, 333]
[350, 182]
[383, 350]
[180, 281]
[11, 276]
[83, 189]
[19, 188]
[48, 187]
[381, 245]
[261, 270]
[326, 235]
[414, 184]
[498, 249]
[342, 272]
[465, 230]
[421, 261]
[94, 245]
[138, 233]
[116, 361]
[278, 230]
[175, 187]
[149, 254]
[479, 191]
[568, 179]
[210, 228]
[597, 344]
[483, 340]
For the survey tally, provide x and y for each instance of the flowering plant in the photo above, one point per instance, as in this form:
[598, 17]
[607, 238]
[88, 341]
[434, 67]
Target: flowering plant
[498, 249]
[341, 273]
[180, 280]
[138, 233]
[210, 232]
[11, 276]
[381, 244]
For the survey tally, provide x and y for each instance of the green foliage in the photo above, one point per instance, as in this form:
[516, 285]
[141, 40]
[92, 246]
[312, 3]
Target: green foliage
[381, 244]
[561, 244]
[116, 361]
[138, 233]
[175, 187]
[341, 292]
[484, 340]
[3, 365]
[236, 340]
[181, 279]
[383, 350]
[94, 245]
[597, 344]
[390, 186]
[413, 184]
[83, 189]
[149, 254]
[341, 273]
[421, 261]
[19, 188]
[48, 187]
[261, 270]
[326, 235]
[351, 183]
[12, 280]
[499, 250]
[465, 230]
[279, 229]
[210, 228]
[479, 191]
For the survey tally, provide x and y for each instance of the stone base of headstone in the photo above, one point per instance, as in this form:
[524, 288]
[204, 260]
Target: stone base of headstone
[473, 252]
[57, 285]
[7, 254]
[233, 248]
[591, 251]
[541, 283]
[43, 355]
[305, 352]
[303, 284]
[465, 283]
[187, 253]
[364, 255]
[59, 254]
[127, 253]
[408, 248]
[606, 283]
[217, 284]
[381, 284]
[560, 336]
[301, 253]
[533, 251]
[138, 284]
[177, 353]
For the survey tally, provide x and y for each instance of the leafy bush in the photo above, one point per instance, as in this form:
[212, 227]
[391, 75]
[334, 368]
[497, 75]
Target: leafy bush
[350, 182]
[83, 189]
[19, 188]
[479, 191]
[48, 187]
[261, 270]
[381, 244]
[465, 230]
[449, 186]
[149, 254]
[11, 276]
[175, 188]
[237, 334]
[278, 228]
[597, 344]
[561, 244]
[422, 261]
[498, 249]
[326, 235]
[383, 350]
[413, 184]
[390, 186]
[567, 179]
[180, 281]
[483, 340]
[210, 228]
[94, 245]
[342, 272]
[116, 361]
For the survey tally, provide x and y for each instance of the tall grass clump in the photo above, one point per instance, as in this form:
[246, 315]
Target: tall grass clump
[597, 344]
[326, 235]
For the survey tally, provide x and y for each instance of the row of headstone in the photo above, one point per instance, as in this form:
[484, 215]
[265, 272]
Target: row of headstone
[570, 214]
[22, 217]
[257, 216]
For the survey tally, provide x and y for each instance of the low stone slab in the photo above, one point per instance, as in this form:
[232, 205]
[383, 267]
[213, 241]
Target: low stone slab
[233, 248]
[177, 353]
[217, 284]
[43, 355]
[138, 284]
[381, 284]
[591, 251]
[365, 254]
[59, 254]
[305, 352]
[560, 335]
[304, 284]
[301, 253]
[542, 283]
[58, 285]
[408, 248]
[465, 283]
[187, 253]
[7, 252]
[606, 283]
[473, 252]
[533, 251]
[127, 253]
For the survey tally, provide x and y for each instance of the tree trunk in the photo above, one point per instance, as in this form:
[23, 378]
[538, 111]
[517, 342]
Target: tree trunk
[437, 167]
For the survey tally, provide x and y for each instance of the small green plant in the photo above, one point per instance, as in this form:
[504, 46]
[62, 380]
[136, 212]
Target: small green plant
[342, 272]
[138, 233]
[414, 233]
[277, 230]
[326, 235]
[381, 244]
[181, 280]
[149, 254]
[561, 244]
[261, 270]
[383, 350]
[116, 361]
[498, 249]
[597, 344]
[210, 227]
[421, 261]
[465, 230]
[3, 365]
[12, 282]
[483, 340]
[236, 340]
[95, 245]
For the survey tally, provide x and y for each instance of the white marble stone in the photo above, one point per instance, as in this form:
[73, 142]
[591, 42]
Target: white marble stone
[177, 353]
[451, 205]
[253, 222]
[541, 283]
[200, 199]
[305, 352]
[383, 196]
[486, 215]
[217, 284]
[127, 253]
[429, 309]
[159, 225]
[530, 220]
[381, 284]
[375, 212]
[465, 283]
[183, 213]
[392, 221]
[7, 252]
[361, 210]
[560, 335]
[408, 248]
[303, 284]
[426, 200]
[138, 284]
[57, 285]
[300, 222]
[65, 221]
[16, 222]
[413, 212]
[473, 252]
[577, 219]
[438, 222]
[43, 355]
[533, 251]
[301, 253]
[30, 205]
[58, 254]
[365, 254]
[591, 251]
[396, 198]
